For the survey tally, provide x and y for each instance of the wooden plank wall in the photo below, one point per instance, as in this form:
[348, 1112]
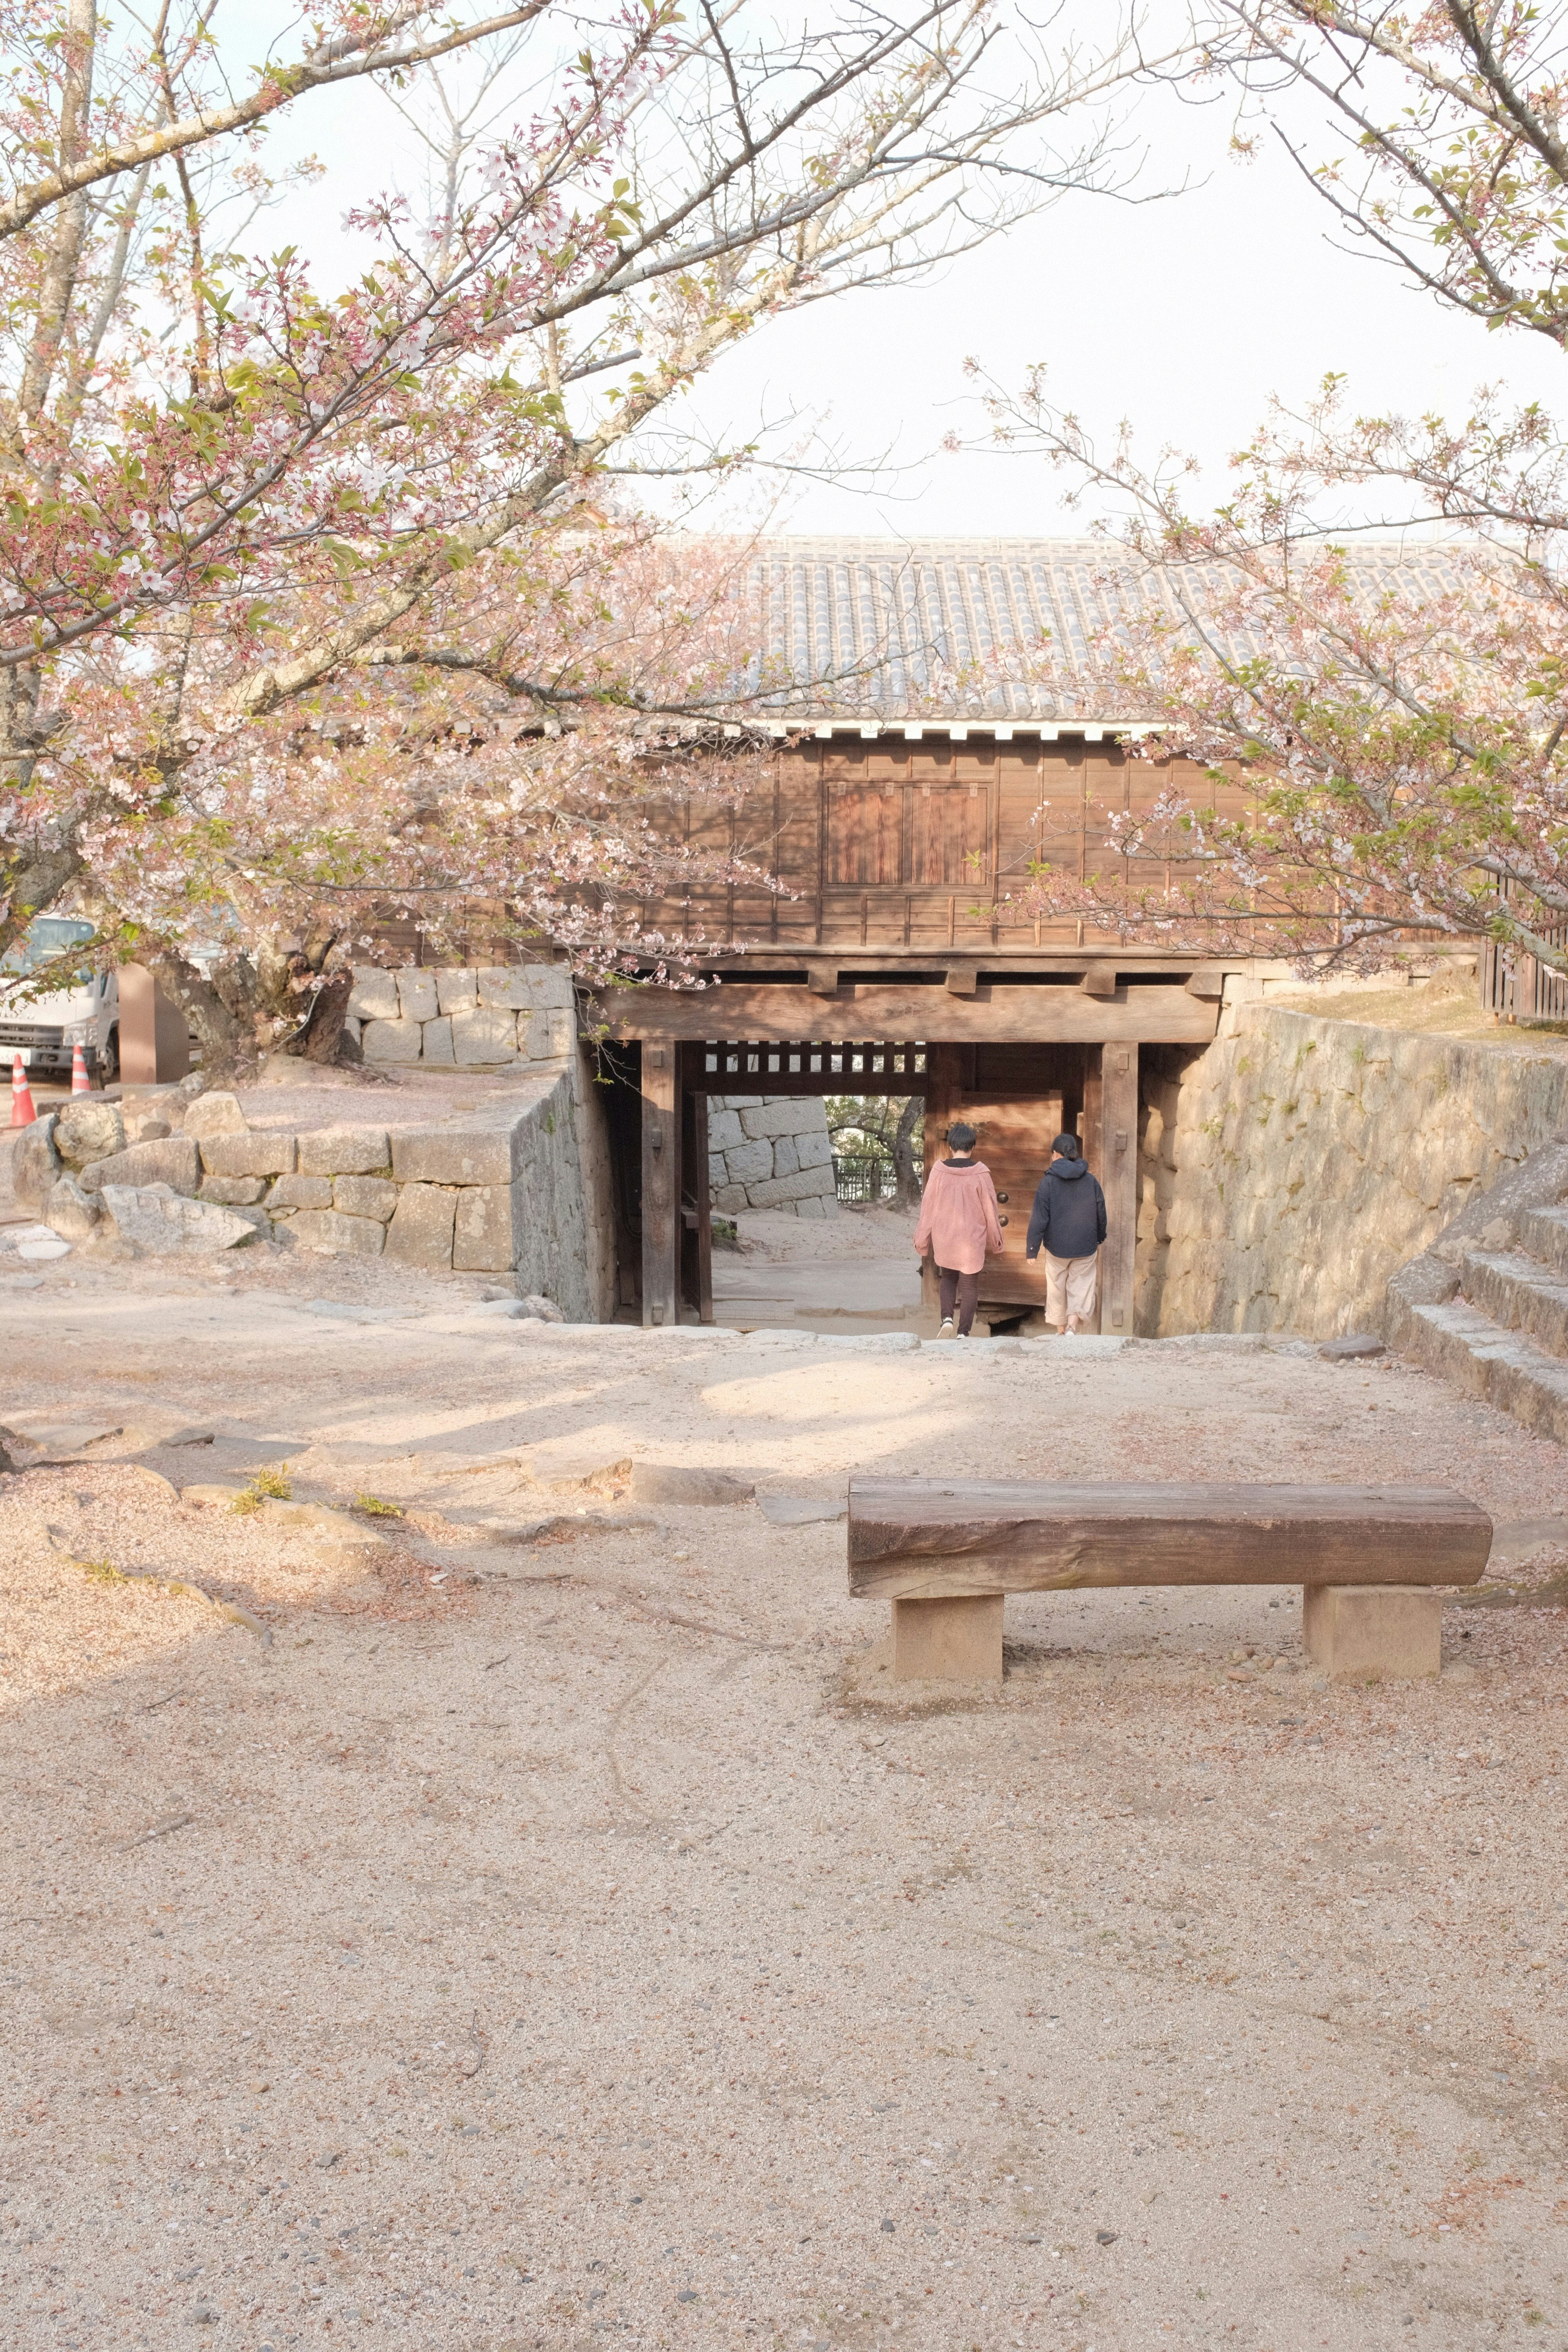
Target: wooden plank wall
[1017, 1096]
[884, 841]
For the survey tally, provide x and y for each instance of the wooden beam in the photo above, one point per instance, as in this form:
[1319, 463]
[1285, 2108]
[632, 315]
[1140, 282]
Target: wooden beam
[1119, 1180]
[1208, 982]
[927, 1539]
[1100, 979]
[962, 980]
[661, 1186]
[996, 1015]
[822, 979]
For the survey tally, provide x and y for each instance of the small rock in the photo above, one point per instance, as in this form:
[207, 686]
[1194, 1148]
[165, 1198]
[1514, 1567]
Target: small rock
[887, 2228]
[300, 1192]
[71, 1212]
[152, 1482]
[175, 1161]
[164, 1222]
[214, 1114]
[318, 1519]
[578, 1473]
[365, 1196]
[1106, 2237]
[1352, 1348]
[799, 1510]
[541, 1310]
[35, 1162]
[233, 1191]
[37, 1251]
[658, 1482]
[88, 1131]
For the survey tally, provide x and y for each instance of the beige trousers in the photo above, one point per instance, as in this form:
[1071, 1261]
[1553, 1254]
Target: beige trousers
[1069, 1288]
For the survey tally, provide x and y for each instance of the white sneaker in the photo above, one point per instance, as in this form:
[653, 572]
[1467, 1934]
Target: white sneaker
[947, 1329]
[962, 1334]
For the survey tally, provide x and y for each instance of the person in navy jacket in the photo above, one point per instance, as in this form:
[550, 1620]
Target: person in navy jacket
[1067, 1222]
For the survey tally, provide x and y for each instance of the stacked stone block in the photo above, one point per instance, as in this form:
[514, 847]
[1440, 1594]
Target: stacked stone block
[464, 1020]
[770, 1151]
[518, 1185]
[487, 1194]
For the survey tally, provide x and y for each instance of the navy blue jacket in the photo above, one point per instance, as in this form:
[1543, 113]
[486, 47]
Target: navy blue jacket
[1069, 1215]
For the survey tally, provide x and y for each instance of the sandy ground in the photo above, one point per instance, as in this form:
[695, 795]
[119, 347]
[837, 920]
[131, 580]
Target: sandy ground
[854, 1272]
[552, 1929]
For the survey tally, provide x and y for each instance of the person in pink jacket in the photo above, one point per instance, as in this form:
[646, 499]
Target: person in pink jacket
[958, 1225]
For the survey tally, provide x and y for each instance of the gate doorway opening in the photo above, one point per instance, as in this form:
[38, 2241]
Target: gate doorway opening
[1017, 1096]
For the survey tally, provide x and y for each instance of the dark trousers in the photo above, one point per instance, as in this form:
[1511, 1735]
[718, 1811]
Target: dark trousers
[962, 1290]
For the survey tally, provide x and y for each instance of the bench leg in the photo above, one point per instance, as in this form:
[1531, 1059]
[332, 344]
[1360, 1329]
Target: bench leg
[1374, 1633]
[948, 1641]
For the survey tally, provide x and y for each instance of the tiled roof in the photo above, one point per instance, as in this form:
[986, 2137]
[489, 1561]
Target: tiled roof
[925, 629]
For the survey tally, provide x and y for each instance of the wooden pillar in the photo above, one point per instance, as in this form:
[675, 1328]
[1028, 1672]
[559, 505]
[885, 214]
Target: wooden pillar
[696, 1206]
[660, 1185]
[1118, 1174]
[154, 1041]
[1089, 1136]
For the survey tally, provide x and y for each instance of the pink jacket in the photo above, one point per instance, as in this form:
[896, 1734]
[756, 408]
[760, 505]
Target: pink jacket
[958, 1217]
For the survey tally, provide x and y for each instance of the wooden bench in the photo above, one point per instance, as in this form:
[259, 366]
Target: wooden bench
[946, 1553]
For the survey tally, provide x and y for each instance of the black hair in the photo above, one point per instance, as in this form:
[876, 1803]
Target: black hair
[961, 1136]
[1068, 1147]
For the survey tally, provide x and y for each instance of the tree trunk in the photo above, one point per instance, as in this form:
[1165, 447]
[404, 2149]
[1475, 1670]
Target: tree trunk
[222, 1020]
[322, 1036]
[906, 1175]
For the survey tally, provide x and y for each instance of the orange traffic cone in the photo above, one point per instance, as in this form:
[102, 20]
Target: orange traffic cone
[80, 1083]
[22, 1111]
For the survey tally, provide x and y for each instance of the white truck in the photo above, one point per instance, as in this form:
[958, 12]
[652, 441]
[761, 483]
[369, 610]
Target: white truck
[81, 1008]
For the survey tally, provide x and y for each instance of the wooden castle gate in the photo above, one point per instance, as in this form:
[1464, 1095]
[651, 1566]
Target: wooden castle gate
[1021, 1046]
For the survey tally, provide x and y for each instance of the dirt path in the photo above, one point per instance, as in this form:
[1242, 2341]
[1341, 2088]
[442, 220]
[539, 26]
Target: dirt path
[591, 1947]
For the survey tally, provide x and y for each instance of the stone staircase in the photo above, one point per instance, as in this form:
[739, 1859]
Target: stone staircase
[1487, 1306]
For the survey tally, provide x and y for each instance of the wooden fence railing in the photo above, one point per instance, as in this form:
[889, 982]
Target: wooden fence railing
[1518, 987]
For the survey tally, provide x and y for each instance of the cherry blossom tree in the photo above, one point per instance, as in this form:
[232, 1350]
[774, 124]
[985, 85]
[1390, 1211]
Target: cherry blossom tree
[324, 604]
[1356, 668]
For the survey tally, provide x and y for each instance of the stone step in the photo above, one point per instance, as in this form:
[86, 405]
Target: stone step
[1518, 1293]
[1544, 1233]
[1462, 1345]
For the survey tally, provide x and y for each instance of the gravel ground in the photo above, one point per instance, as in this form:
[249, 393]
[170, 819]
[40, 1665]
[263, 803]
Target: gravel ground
[577, 1940]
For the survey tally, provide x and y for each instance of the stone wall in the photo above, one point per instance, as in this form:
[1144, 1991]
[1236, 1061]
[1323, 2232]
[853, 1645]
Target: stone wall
[518, 1187]
[1289, 1168]
[464, 1019]
[770, 1151]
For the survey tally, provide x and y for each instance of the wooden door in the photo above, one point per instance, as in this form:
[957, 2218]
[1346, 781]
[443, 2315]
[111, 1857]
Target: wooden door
[1014, 1142]
[1018, 1098]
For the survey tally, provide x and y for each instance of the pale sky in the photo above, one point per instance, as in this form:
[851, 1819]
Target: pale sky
[1184, 315]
